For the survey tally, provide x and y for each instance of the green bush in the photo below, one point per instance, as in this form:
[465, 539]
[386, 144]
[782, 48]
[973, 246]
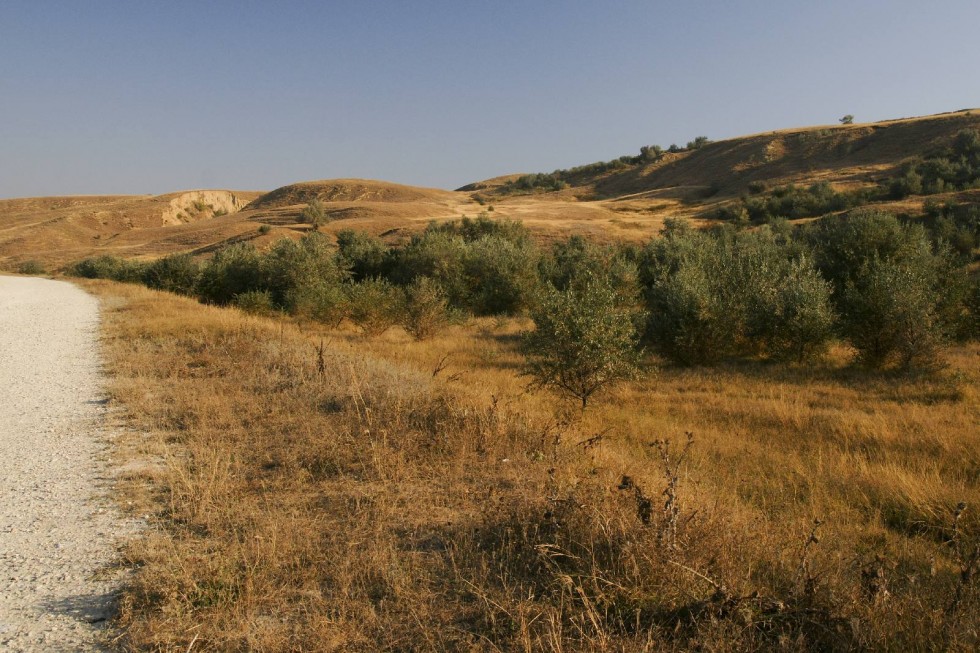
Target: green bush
[689, 319]
[375, 305]
[795, 320]
[891, 315]
[694, 294]
[315, 213]
[108, 267]
[290, 265]
[472, 230]
[31, 267]
[970, 325]
[843, 244]
[898, 297]
[426, 308]
[323, 301]
[583, 340]
[698, 143]
[255, 302]
[364, 255]
[792, 202]
[231, 271]
[438, 255]
[502, 275]
[177, 273]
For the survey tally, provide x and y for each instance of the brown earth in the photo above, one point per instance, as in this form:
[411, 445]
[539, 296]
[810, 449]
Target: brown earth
[625, 204]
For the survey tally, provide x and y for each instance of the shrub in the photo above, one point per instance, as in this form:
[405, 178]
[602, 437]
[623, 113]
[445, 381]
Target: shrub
[891, 314]
[548, 182]
[792, 202]
[970, 326]
[438, 255]
[264, 229]
[364, 255]
[231, 271]
[698, 142]
[108, 267]
[426, 308]
[374, 305]
[795, 321]
[689, 320]
[726, 292]
[256, 302]
[899, 298]
[472, 230]
[847, 120]
[31, 267]
[583, 340]
[502, 275]
[842, 244]
[290, 265]
[909, 183]
[177, 273]
[314, 214]
[694, 293]
[322, 301]
[651, 152]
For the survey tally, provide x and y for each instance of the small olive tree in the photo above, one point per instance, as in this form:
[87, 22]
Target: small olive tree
[314, 213]
[375, 305]
[584, 339]
[426, 309]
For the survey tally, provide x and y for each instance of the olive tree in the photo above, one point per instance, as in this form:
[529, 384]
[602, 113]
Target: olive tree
[584, 339]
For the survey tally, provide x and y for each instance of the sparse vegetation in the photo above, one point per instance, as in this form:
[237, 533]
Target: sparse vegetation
[791, 202]
[314, 214]
[31, 267]
[371, 503]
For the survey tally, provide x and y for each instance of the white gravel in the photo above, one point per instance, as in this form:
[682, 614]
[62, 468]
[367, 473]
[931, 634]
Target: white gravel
[57, 530]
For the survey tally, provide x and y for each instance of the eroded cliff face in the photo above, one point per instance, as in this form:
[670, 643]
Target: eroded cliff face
[195, 205]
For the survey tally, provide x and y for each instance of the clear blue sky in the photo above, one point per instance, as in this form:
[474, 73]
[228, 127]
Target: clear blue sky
[146, 96]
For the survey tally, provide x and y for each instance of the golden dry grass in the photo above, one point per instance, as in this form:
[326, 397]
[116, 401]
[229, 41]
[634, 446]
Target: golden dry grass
[396, 495]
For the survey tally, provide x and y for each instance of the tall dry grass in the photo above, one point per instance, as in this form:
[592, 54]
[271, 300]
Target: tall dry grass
[314, 490]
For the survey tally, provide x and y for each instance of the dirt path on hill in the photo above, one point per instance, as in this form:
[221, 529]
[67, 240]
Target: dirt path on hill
[57, 533]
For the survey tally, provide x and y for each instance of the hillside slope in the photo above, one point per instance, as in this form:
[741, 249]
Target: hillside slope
[846, 155]
[59, 229]
[625, 199]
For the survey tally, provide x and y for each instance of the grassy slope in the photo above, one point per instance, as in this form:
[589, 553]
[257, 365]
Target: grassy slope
[358, 501]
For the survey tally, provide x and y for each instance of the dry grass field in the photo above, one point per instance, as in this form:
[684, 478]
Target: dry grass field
[317, 489]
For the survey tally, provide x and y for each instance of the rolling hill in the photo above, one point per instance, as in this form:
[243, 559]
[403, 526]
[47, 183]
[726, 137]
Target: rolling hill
[625, 199]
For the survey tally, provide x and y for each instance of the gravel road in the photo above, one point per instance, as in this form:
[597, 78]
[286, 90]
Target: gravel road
[57, 531]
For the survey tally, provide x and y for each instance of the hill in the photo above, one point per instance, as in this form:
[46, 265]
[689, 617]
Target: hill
[59, 229]
[624, 199]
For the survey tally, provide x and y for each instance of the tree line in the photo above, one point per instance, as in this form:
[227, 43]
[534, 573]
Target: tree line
[889, 288]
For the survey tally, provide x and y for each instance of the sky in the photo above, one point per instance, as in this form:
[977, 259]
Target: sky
[143, 96]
